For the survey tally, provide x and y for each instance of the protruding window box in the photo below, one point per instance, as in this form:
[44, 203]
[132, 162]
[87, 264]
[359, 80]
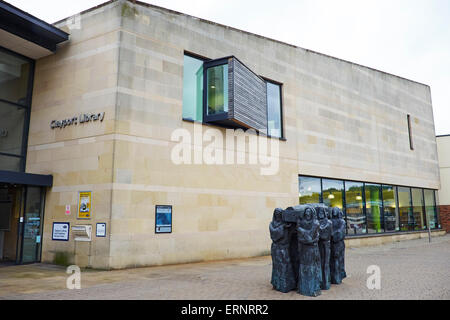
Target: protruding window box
[233, 95]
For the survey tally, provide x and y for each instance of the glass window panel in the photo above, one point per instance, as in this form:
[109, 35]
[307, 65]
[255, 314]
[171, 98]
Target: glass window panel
[354, 204]
[374, 208]
[217, 91]
[192, 88]
[438, 217]
[418, 214]
[274, 109]
[332, 192]
[31, 247]
[390, 209]
[12, 120]
[10, 163]
[309, 190]
[430, 208]
[14, 75]
[406, 218]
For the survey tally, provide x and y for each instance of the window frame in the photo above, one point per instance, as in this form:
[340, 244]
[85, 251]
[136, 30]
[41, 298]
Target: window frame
[280, 85]
[396, 200]
[208, 63]
[26, 106]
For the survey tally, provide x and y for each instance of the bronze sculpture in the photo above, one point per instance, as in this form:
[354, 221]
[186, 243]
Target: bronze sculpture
[283, 275]
[337, 267]
[325, 231]
[310, 274]
[308, 248]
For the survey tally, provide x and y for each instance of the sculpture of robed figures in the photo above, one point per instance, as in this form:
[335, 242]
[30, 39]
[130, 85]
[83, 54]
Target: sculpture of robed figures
[310, 274]
[283, 276]
[325, 231]
[337, 267]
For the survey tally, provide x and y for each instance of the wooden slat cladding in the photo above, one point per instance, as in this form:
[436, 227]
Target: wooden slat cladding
[247, 96]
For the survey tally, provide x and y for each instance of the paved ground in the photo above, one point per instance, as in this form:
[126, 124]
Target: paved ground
[412, 269]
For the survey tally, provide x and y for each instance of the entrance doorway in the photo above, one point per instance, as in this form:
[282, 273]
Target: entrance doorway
[21, 219]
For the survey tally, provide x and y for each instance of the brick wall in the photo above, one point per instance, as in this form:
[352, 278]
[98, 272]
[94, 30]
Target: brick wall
[445, 217]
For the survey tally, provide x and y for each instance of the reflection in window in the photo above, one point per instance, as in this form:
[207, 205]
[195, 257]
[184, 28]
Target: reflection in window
[418, 214]
[14, 77]
[309, 190]
[12, 120]
[430, 208]
[354, 204]
[10, 163]
[217, 91]
[390, 208]
[373, 208]
[438, 217]
[192, 88]
[274, 109]
[332, 193]
[404, 209]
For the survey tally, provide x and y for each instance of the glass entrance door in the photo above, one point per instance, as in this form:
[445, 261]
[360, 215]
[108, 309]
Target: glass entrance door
[32, 225]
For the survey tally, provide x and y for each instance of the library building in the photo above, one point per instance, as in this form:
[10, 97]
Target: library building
[133, 135]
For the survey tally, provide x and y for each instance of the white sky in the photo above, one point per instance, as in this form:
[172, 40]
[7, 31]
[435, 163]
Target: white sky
[409, 38]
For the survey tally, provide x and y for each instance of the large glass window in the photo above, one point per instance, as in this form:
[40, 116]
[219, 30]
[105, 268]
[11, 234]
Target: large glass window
[354, 205]
[14, 105]
[333, 193]
[404, 209]
[192, 88]
[430, 208]
[438, 217]
[390, 208]
[217, 91]
[14, 78]
[12, 121]
[274, 109]
[374, 208]
[418, 206]
[309, 190]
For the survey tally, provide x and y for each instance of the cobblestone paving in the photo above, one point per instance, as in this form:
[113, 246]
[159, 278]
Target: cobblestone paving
[414, 269]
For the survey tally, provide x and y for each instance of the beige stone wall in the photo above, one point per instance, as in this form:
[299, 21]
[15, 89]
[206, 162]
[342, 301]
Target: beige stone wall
[340, 120]
[443, 147]
[80, 78]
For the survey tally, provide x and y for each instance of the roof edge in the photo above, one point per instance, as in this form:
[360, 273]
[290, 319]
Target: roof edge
[148, 5]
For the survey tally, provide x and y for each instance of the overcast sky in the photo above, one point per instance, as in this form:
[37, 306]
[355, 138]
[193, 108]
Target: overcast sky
[409, 38]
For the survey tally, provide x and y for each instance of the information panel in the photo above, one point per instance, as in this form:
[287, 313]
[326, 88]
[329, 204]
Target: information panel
[60, 231]
[101, 229]
[163, 219]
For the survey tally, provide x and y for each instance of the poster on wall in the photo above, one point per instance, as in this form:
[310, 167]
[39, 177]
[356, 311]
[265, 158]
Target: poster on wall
[60, 231]
[163, 219]
[84, 205]
[101, 229]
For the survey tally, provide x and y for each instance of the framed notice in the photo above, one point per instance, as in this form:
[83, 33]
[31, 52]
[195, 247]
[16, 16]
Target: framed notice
[60, 231]
[163, 219]
[101, 230]
[84, 205]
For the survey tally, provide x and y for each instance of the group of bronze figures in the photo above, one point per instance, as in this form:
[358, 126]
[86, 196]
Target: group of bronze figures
[308, 248]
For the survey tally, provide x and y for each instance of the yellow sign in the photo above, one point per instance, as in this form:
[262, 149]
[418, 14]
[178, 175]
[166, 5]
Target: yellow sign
[84, 205]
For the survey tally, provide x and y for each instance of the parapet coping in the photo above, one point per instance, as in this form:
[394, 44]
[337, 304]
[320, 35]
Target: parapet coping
[243, 31]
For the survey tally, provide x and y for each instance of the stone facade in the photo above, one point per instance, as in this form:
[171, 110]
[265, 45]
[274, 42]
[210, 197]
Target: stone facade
[341, 120]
